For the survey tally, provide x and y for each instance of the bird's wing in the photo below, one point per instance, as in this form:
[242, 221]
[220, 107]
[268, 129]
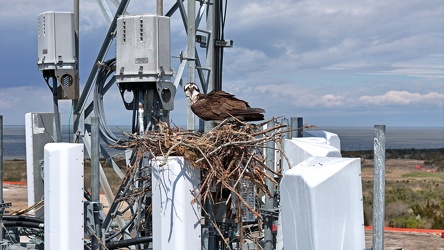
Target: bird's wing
[227, 96]
[204, 108]
[227, 102]
[219, 105]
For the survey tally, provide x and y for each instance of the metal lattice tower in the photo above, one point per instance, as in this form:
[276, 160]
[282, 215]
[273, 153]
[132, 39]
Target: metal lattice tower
[204, 25]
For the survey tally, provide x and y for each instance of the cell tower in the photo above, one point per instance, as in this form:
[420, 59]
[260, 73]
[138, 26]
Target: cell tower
[141, 67]
[164, 201]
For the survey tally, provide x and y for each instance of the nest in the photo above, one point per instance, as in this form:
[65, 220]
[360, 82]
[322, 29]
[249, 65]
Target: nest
[226, 155]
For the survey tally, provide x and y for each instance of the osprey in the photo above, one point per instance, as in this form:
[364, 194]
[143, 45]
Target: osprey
[219, 105]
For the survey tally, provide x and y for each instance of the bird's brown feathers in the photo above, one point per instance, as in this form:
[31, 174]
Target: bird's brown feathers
[219, 105]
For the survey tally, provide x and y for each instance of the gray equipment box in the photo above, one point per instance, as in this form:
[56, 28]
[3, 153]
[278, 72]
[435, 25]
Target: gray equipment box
[143, 48]
[57, 51]
[56, 41]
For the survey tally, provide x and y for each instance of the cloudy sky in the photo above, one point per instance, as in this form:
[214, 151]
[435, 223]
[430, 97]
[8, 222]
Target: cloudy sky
[333, 62]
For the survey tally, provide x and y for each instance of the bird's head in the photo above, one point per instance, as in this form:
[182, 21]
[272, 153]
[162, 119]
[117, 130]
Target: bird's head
[191, 91]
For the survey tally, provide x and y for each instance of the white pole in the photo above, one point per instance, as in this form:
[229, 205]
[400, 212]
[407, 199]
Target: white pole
[63, 174]
[176, 222]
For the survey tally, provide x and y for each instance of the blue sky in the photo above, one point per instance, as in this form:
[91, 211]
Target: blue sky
[333, 62]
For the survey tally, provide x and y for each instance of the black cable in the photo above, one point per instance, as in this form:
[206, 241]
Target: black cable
[121, 231]
[134, 117]
[57, 124]
[222, 38]
[22, 218]
[135, 127]
[28, 225]
[124, 243]
[23, 224]
[123, 189]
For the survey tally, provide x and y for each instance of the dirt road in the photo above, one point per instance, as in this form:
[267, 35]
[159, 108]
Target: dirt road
[408, 240]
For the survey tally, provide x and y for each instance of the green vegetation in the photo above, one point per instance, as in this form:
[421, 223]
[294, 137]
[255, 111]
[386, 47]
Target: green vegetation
[14, 170]
[433, 158]
[427, 175]
[409, 204]
[113, 179]
[415, 199]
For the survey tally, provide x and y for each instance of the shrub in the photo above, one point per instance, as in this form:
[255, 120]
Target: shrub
[396, 209]
[431, 211]
[408, 221]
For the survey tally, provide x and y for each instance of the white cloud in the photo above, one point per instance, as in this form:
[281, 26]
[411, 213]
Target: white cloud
[22, 11]
[331, 100]
[245, 60]
[405, 98]
[22, 14]
[300, 97]
[427, 66]
[313, 34]
[304, 97]
[308, 56]
[17, 101]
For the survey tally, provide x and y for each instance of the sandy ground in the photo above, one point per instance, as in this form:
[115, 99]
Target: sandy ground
[395, 168]
[408, 241]
[17, 195]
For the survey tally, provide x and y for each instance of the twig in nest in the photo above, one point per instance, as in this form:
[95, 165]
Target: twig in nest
[229, 152]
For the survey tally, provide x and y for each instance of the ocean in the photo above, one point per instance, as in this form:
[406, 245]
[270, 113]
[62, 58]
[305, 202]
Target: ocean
[352, 138]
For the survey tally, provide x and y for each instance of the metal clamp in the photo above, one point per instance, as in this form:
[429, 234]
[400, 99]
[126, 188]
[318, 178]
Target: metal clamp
[5, 205]
[272, 213]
